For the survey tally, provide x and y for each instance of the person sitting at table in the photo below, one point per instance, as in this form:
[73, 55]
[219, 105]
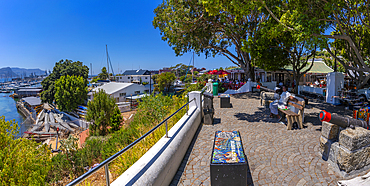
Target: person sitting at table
[284, 98]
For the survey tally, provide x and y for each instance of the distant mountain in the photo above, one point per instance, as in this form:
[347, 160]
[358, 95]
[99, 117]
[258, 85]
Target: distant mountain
[27, 72]
[7, 73]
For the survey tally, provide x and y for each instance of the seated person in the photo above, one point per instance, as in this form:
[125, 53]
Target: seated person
[284, 98]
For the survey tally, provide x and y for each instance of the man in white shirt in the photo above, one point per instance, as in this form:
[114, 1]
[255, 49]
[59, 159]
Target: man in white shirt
[284, 98]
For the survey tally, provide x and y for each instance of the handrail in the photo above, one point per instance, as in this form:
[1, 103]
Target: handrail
[113, 157]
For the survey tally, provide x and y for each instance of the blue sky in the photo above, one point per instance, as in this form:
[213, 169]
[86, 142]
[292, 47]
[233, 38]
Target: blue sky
[36, 34]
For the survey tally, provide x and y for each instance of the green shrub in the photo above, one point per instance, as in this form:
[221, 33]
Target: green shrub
[151, 111]
[22, 161]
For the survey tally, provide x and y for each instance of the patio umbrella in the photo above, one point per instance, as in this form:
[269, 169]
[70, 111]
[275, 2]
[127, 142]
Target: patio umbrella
[223, 72]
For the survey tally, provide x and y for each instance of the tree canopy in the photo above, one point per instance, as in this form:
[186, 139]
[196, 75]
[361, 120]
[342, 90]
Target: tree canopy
[103, 75]
[71, 91]
[181, 69]
[349, 21]
[164, 81]
[104, 113]
[210, 28]
[62, 68]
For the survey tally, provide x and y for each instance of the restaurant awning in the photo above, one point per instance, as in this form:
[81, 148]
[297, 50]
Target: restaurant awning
[319, 67]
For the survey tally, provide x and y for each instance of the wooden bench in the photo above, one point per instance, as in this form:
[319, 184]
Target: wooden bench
[292, 116]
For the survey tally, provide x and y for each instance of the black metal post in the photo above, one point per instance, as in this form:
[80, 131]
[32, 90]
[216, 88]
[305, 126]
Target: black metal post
[335, 59]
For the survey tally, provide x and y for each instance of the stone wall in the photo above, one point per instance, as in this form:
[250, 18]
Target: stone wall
[347, 150]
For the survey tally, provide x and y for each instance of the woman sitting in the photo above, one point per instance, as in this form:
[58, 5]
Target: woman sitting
[284, 98]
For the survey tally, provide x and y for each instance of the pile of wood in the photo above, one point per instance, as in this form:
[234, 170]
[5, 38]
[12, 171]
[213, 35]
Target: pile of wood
[48, 123]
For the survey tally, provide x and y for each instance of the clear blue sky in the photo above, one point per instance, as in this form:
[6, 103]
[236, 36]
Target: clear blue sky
[36, 34]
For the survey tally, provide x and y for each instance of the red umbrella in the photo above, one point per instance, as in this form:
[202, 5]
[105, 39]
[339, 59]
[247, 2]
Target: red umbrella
[223, 72]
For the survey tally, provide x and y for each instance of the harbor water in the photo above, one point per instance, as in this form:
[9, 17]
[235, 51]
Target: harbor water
[9, 110]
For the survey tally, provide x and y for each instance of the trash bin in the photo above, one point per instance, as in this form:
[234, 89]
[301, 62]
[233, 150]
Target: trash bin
[215, 89]
[208, 110]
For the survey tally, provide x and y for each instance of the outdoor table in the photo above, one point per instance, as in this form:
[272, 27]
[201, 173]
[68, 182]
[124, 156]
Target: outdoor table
[225, 101]
[228, 162]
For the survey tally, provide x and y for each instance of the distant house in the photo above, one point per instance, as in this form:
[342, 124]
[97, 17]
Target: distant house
[135, 76]
[119, 91]
[166, 69]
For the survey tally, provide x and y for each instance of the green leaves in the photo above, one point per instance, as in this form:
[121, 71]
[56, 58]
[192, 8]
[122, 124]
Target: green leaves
[70, 91]
[62, 68]
[22, 161]
[104, 113]
[103, 74]
[164, 81]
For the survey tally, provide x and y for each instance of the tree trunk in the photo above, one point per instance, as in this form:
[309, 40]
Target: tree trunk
[248, 71]
[297, 78]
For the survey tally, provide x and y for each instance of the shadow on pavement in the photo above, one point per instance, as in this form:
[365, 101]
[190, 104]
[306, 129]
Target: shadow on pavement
[216, 121]
[261, 114]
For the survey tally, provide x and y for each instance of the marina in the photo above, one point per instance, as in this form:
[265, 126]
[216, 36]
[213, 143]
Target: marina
[9, 110]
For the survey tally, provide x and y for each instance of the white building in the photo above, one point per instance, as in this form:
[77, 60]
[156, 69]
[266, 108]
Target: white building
[135, 76]
[119, 91]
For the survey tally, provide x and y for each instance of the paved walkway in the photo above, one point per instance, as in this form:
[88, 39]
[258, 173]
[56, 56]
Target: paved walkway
[275, 155]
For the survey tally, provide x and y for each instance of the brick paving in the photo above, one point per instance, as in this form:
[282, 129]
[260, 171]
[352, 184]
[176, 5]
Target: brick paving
[275, 155]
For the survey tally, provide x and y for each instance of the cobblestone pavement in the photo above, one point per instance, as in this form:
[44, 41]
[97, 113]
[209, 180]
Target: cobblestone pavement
[276, 156]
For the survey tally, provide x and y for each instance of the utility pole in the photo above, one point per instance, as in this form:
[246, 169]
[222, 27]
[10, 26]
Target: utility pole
[192, 70]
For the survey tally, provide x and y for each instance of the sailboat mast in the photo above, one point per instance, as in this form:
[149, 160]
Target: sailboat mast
[106, 49]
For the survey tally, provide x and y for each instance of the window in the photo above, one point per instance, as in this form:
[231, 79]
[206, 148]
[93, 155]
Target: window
[146, 77]
[137, 92]
[120, 77]
[122, 94]
[128, 77]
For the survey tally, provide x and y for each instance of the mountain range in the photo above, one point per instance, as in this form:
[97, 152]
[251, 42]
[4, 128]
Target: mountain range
[8, 72]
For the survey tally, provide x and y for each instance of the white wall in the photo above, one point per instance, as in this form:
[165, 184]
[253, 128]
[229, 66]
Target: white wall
[159, 165]
[131, 78]
[129, 90]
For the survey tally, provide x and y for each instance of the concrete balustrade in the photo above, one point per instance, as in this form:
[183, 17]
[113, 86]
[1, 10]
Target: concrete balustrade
[158, 166]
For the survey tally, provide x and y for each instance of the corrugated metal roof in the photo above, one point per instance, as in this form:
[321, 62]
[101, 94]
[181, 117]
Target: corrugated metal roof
[30, 90]
[33, 101]
[136, 72]
[113, 87]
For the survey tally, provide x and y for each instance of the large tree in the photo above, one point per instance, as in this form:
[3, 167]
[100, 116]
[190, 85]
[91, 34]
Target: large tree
[62, 68]
[164, 81]
[103, 75]
[181, 69]
[103, 112]
[71, 91]
[350, 22]
[212, 30]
